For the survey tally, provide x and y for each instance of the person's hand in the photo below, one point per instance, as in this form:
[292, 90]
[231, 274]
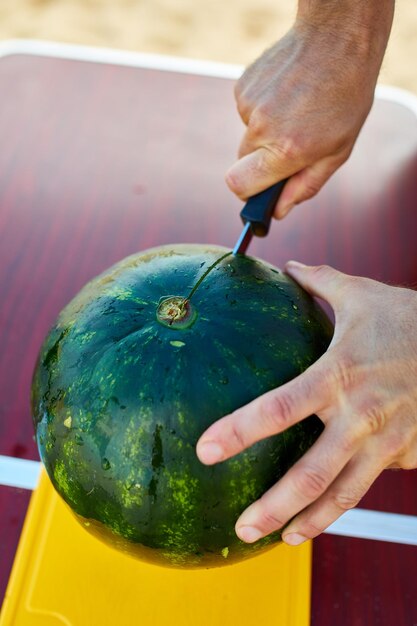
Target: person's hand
[305, 99]
[363, 389]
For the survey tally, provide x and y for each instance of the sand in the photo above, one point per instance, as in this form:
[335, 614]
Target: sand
[233, 31]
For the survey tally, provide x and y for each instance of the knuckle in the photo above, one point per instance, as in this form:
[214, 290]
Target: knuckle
[268, 518]
[311, 187]
[277, 411]
[346, 500]
[354, 286]
[243, 104]
[374, 419]
[343, 155]
[322, 272]
[281, 146]
[309, 528]
[237, 436]
[343, 373]
[342, 144]
[291, 148]
[310, 481]
[394, 449]
[313, 178]
[327, 275]
[257, 122]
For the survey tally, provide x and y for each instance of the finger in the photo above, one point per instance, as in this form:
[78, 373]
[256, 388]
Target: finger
[258, 170]
[244, 103]
[306, 183]
[245, 108]
[322, 281]
[306, 481]
[248, 145]
[344, 494]
[267, 415]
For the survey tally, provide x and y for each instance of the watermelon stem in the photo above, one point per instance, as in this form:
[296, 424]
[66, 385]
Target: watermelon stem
[208, 270]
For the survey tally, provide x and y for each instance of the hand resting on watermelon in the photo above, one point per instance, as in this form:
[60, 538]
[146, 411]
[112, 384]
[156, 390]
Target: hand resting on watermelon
[363, 389]
[305, 99]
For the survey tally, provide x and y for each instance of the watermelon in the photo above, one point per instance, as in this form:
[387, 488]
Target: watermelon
[138, 365]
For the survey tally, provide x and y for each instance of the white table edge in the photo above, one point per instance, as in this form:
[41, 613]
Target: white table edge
[162, 62]
[359, 523]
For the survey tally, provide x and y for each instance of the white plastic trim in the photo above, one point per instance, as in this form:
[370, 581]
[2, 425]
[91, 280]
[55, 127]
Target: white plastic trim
[398, 95]
[366, 524]
[120, 57]
[19, 473]
[359, 523]
[163, 63]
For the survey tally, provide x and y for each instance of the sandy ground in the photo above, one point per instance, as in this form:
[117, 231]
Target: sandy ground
[234, 31]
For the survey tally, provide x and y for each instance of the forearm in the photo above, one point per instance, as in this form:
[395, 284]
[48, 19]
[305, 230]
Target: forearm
[363, 26]
[304, 101]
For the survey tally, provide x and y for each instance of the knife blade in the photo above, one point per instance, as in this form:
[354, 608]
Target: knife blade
[257, 214]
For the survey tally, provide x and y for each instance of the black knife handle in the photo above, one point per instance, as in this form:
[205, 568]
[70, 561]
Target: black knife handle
[259, 209]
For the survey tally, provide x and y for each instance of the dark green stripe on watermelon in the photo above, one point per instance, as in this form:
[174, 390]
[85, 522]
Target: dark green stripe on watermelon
[120, 399]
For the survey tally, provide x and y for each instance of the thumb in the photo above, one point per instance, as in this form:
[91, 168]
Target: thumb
[256, 171]
[322, 281]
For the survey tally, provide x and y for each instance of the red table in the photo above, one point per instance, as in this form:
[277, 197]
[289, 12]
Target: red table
[103, 154]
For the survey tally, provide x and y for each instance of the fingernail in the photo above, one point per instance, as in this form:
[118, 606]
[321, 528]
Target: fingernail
[249, 534]
[210, 452]
[294, 539]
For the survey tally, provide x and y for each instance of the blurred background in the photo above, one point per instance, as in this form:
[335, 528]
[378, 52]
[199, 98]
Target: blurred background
[234, 31]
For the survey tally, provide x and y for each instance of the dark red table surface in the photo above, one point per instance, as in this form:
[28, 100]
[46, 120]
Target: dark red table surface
[98, 161]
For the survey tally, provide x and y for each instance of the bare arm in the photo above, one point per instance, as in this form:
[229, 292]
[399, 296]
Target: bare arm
[305, 99]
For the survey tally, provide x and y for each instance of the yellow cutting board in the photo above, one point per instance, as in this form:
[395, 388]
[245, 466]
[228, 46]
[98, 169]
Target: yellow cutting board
[63, 576]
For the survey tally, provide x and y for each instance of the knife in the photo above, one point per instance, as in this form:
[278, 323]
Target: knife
[257, 214]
